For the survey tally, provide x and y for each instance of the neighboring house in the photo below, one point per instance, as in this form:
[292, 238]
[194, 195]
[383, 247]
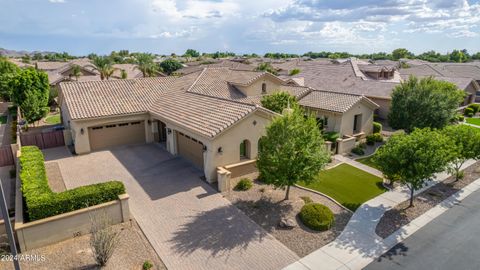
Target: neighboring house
[63, 71]
[348, 114]
[196, 66]
[375, 81]
[211, 117]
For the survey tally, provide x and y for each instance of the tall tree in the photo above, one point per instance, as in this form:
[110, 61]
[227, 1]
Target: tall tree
[31, 93]
[170, 65]
[466, 142]
[277, 102]
[414, 158]
[145, 64]
[401, 53]
[76, 71]
[8, 71]
[292, 150]
[104, 66]
[420, 103]
[191, 53]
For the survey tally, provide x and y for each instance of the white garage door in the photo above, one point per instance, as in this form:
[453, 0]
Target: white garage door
[190, 149]
[116, 134]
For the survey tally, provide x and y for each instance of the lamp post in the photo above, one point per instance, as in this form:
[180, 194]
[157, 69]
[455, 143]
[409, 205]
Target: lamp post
[8, 228]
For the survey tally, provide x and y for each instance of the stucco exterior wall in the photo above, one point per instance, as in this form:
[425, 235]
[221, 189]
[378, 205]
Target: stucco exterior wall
[334, 119]
[255, 88]
[230, 141]
[81, 141]
[366, 124]
[384, 106]
[471, 92]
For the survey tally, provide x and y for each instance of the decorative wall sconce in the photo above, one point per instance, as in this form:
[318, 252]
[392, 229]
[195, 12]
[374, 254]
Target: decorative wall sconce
[254, 122]
[204, 148]
[149, 122]
[220, 150]
[82, 131]
[169, 131]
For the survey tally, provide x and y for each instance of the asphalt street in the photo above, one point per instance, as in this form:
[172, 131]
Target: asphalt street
[451, 241]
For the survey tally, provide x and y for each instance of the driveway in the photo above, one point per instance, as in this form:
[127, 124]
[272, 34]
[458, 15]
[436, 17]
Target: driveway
[188, 223]
[450, 241]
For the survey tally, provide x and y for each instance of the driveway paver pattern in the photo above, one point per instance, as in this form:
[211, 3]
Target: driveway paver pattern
[188, 223]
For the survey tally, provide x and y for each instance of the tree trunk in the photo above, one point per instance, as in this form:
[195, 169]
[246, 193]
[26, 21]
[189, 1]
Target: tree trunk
[287, 195]
[411, 196]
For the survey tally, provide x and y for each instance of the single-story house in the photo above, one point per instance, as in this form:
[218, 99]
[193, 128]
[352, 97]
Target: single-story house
[211, 117]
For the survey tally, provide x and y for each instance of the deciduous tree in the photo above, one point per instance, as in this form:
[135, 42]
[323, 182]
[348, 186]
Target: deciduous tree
[420, 103]
[170, 65]
[277, 102]
[292, 150]
[414, 158]
[466, 142]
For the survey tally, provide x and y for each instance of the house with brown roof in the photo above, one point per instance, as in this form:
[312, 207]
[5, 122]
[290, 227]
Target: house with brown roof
[375, 81]
[211, 117]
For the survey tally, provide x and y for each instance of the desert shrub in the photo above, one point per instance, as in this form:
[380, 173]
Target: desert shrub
[244, 184]
[147, 265]
[358, 151]
[469, 111]
[317, 216]
[377, 127]
[294, 71]
[103, 238]
[42, 202]
[306, 199]
[331, 136]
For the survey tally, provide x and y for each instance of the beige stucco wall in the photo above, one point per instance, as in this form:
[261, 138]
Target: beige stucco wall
[81, 141]
[384, 106]
[366, 125]
[230, 142]
[255, 88]
[471, 92]
[334, 119]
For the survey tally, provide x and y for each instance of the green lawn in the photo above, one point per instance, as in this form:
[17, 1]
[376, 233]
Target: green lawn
[348, 185]
[473, 121]
[368, 161]
[53, 119]
[3, 119]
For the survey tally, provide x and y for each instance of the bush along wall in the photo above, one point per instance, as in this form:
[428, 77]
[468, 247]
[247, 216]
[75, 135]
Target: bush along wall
[41, 202]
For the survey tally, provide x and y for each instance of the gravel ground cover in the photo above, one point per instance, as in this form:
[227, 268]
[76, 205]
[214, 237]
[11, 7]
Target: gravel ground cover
[266, 206]
[401, 215]
[132, 251]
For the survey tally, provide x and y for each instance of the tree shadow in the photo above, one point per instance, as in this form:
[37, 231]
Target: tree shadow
[398, 250]
[265, 212]
[219, 231]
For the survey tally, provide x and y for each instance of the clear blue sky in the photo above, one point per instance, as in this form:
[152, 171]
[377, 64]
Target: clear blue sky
[243, 26]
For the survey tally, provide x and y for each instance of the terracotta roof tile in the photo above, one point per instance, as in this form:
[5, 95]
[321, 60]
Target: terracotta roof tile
[331, 101]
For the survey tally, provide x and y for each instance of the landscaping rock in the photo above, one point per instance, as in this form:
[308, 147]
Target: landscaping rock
[287, 223]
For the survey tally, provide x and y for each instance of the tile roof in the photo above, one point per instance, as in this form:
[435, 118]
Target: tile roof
[205, 115]
[50, 66]
[199, 66]
[332, 101]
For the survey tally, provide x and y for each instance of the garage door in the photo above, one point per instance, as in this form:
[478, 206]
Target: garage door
[190, 149]
[116, 134]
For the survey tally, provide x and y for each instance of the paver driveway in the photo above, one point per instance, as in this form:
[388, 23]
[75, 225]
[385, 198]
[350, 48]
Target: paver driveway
[189, 224]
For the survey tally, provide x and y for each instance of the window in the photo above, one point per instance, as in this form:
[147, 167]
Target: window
[95, 128]
[325, 121]
[264, 88]
[123, 124]
[245, 149]
[110, 126]
[135, 123]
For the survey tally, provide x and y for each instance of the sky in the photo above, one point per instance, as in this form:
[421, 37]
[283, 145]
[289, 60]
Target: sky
[80, 27]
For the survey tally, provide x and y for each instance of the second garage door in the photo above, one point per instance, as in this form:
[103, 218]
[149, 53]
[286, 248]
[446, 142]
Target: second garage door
[190, 149]
[116, 134]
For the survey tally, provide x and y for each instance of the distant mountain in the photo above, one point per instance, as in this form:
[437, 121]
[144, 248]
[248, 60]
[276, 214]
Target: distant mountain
[14, 53]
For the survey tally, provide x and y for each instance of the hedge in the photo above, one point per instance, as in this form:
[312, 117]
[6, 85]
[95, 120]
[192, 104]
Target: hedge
[317, 216]
[469, 111]
[42, 202]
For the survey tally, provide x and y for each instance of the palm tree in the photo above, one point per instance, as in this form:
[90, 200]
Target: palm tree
[76, 72]
[146, 65]
[103, 65]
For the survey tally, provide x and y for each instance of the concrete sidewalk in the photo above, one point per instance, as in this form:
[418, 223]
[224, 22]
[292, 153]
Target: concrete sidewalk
[359, 165]
[358, 245]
